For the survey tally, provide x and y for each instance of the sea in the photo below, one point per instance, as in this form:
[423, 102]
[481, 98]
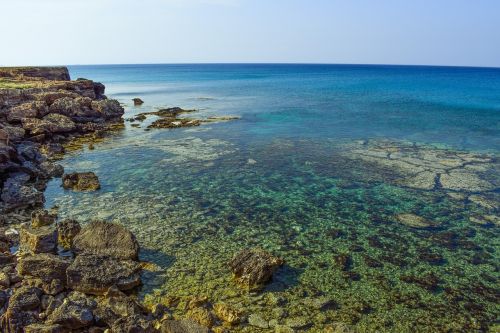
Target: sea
[378, 185]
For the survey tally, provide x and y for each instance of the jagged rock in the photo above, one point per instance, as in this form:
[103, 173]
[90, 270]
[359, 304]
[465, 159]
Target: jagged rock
[51, 170]
[202, 316]
[66, 232]
[111, 309]
[14, 320]
[75, 312]
[50, 97]
[31, 109]
[108, 108]
[42, 217]
[94, 274]
[138, 101]
[16, 134]
[47, 267]
[134, 323]
[25, 298]
[84, 181]
[52, 123]
[39, 240]
[18, 193]
[108, 239]
[252, 268]
[182, 326]
[4, 280]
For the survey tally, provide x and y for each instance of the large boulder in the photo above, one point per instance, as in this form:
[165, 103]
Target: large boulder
[106, 239]
[38, 240]
[252, 268]
[95, 274]
[44, 266]
[81, 181]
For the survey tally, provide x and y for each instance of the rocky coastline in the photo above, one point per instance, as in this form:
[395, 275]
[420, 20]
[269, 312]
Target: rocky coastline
[57, 275]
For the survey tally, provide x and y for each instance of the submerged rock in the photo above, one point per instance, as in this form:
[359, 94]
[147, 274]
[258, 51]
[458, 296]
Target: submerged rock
[414, 221]
[84, 181]
[252, 268]
[106, 239]
[182, 326]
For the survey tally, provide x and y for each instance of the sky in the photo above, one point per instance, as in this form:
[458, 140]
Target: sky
[419, 32]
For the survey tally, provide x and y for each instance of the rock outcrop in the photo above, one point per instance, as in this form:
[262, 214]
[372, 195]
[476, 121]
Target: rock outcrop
[83, 181]
[39, 108]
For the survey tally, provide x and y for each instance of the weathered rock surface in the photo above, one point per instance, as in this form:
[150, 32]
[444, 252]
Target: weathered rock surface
[66, 232]
[252, 268]
[106, 239]
[84, 181]
[38, 240]
[95, 274]
[42, 217]
[75, 312]
[47, 267]
[138, 101]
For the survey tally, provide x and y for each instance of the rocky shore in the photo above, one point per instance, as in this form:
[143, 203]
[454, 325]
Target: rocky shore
[57, 275]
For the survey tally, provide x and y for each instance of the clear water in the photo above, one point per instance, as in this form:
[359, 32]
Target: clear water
[318, 168]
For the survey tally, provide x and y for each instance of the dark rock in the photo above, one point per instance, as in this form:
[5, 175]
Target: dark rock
[66, 232]
[138, 101]
[25, 298]
[42, 217]
[75, 312]
[17, 193]
[108, 108]
[182, 326]
[48, 268]
[109, 239]
[85, 181]
[27, 110]
[133, 323]
[252, 268]
[14, 320]
[94, 274]
[38, 240]
[15, 134]
[51, 170]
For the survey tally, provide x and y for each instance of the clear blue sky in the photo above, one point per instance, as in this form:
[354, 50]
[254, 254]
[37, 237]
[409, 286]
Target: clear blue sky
[441, 32]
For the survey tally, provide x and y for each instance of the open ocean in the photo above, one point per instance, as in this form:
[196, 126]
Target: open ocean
[378, 185]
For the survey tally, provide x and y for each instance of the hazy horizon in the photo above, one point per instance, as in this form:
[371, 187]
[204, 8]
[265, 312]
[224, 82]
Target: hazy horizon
[93, 32]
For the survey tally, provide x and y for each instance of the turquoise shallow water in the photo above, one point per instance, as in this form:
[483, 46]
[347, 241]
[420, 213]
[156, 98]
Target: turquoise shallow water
[328, 167]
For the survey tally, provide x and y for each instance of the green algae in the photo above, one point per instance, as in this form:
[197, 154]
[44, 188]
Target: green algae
[332, 218]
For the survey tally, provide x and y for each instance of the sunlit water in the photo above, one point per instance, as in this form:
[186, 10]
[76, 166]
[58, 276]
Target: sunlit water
[317, 169]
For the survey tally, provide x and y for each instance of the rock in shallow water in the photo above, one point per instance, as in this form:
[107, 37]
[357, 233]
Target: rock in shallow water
[107, 239]
[94, 274]
[252, 268]
[85, 181]
[38, 240]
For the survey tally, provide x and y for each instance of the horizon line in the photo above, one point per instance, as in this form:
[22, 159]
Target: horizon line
[261, 63]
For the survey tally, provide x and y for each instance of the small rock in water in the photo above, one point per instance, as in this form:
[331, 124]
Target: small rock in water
[252, 268]
[85, 181]
[251, 161]
[227, 314]
[138, 101]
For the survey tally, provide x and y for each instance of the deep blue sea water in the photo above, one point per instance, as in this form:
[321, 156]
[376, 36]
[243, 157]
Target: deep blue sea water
[378, 185]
